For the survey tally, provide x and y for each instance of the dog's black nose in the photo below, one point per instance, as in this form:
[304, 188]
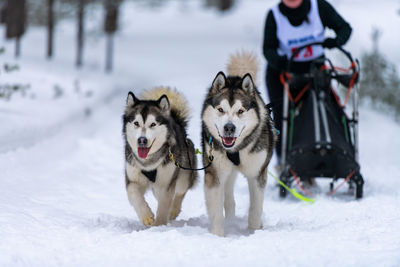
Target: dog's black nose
[229, 129]
[142, 141]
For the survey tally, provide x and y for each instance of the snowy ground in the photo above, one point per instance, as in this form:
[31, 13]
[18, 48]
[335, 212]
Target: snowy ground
[62, 194]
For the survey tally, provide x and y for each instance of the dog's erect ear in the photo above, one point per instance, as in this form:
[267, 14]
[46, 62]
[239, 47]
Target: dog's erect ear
[163, 103]
[247, 84]
[131, 100]
[218, 83]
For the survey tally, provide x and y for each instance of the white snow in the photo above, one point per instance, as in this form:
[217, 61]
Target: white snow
[62, 192]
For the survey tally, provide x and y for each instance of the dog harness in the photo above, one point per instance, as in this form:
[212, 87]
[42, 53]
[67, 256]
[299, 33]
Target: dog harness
[291, 37]
[234, 157]
[151, 175]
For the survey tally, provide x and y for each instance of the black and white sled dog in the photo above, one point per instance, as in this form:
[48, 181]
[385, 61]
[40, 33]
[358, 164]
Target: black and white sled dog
[154, 129]
[237, 128]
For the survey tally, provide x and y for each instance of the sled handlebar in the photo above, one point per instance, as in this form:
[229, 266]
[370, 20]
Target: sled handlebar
[299, 49]
[344, 79]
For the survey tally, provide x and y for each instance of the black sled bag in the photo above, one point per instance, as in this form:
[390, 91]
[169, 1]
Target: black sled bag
[319, 137]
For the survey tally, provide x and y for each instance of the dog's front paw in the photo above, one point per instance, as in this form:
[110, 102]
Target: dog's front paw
[217, 231]
[159, 222]
[174, 213]
[148, 220]
[255, 225]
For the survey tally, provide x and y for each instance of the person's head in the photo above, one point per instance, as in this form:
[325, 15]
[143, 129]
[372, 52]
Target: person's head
[292, 3]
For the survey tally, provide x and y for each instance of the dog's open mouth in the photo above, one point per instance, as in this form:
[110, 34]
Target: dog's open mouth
[144, 151]
[228, 141]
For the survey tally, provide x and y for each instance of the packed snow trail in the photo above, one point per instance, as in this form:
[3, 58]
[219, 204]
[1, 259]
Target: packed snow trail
[63, 202]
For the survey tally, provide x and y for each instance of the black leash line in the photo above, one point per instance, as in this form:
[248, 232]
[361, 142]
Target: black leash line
[210, 158]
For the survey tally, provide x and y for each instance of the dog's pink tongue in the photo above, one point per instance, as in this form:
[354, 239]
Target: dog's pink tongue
[228, 140]
[143, 152]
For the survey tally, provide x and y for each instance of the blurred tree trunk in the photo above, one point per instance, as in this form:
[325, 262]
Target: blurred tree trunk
[109, 52]
[15, 18]
[110, 27]
[222, 5]
[3, 12]
[17, 46]
[50, 28]
[80, 36]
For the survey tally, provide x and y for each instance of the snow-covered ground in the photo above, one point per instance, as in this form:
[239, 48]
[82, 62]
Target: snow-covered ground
[62, 193]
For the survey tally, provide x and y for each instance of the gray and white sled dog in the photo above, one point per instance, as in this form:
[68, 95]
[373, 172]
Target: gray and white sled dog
[237, 128]
[154, 129]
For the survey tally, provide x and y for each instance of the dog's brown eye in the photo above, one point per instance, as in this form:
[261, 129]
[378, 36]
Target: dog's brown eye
[221, 110]
[152, 125]
[240, 112]
[136, 124]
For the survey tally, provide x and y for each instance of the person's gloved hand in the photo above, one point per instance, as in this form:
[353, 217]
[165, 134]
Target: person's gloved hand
[329, 43]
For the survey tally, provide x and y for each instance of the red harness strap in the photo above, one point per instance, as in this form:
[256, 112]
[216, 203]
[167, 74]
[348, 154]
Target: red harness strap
[296, 178]
[302, 92]
[351, 84]
[347, 178]
[286, 87]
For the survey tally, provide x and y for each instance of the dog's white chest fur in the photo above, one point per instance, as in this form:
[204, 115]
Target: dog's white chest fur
[250, 162]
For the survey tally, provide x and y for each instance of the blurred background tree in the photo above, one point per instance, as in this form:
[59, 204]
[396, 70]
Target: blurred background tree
[13, 14]
[110, 27]
[50, 28]
[221, 5]
[380, 82]
[17, 14]
[80, 32]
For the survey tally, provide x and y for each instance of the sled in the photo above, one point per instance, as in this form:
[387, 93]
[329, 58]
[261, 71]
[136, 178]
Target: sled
[319, 139]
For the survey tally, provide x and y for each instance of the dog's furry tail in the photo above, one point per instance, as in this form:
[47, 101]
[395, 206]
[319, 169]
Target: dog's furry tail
[179, 105]
[242, 63]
